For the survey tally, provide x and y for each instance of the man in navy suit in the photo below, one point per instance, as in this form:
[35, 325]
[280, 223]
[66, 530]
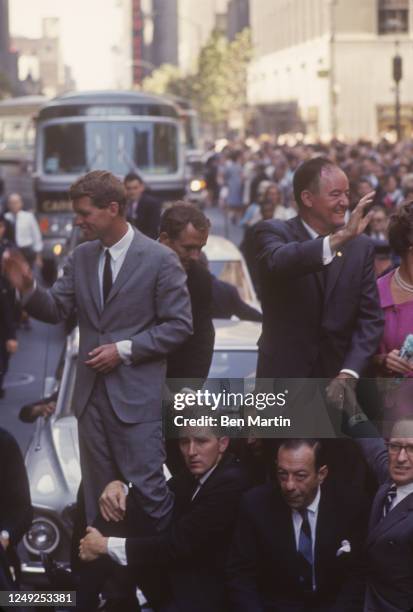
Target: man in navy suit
[389, 546]
[321, 314]
[297, 547]
[144, 211]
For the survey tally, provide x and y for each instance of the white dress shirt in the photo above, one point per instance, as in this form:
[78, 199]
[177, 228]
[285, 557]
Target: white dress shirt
[312, 513]
[26, 230]
[402, 492]
[117, 257]
[328, 256]
[117, 546]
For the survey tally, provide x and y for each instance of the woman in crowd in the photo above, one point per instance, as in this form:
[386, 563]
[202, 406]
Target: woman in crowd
[234, 184]
[396, 297]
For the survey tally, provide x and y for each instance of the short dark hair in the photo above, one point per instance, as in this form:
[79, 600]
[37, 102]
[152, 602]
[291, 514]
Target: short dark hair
[401, 228]
[102, 187]
[175, 219]
[313, 443]
[133, 176]
[307, 176]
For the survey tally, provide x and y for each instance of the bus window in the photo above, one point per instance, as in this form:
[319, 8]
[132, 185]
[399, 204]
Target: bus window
[119, 146]
[165, 149]
[64, 149]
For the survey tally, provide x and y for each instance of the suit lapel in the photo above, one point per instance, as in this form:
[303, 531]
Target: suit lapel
[333, 272]
[302, 235]
[325, 535]
[398, 514]
[377, 507]
[92, 265]
[130, 263]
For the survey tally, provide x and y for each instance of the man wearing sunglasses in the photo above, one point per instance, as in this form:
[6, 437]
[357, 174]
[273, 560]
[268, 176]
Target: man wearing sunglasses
[389, 546]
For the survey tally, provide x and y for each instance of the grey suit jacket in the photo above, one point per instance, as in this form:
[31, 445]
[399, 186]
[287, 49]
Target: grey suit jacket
[389, 546]
[148, 304]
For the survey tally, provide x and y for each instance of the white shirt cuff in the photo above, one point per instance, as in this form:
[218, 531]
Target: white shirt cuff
[117, 550]
[351, 372]
[328, 254]
[125, 351]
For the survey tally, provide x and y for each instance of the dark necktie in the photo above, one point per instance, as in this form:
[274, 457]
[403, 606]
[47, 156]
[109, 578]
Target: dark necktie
[107, 276]
[305, 553]
[388, 500]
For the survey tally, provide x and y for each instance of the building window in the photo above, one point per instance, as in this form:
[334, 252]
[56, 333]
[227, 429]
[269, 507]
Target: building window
[393, 16]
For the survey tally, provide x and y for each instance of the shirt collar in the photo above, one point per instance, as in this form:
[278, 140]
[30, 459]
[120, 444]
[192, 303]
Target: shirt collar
[313, 233]
[313, 507]
[207, 474]
[116, 250]
[405, 490]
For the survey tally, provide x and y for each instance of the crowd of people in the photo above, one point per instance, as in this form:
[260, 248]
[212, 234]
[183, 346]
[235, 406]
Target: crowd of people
[289, 525]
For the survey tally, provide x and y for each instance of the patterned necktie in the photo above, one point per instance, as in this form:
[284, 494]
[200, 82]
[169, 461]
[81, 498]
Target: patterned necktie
[107, 276]
[305, 553]
[388, 500]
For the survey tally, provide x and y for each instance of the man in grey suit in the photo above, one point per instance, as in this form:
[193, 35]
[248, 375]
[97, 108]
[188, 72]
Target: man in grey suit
[133, 308]
[389, 546]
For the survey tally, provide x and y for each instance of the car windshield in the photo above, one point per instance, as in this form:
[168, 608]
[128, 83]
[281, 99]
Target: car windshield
[233, 364]
[119, 146]
[233, 272]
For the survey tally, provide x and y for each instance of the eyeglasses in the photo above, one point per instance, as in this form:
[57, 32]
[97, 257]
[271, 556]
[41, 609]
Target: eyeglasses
[396, 449]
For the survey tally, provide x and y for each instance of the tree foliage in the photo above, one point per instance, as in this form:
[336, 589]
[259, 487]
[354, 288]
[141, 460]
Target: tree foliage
[219, 86]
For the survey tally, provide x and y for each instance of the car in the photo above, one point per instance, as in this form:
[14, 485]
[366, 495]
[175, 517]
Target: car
[228, 264]
[53, 462]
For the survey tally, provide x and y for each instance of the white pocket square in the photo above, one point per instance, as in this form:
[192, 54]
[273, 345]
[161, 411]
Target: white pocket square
[344, 548]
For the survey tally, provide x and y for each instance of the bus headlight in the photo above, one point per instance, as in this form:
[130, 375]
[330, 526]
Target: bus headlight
[57, 249]
[197, 185]
[42, 537]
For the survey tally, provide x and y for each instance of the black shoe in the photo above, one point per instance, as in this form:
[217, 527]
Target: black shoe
[2, 393]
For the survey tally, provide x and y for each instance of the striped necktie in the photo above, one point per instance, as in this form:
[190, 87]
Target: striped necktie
[388, 500]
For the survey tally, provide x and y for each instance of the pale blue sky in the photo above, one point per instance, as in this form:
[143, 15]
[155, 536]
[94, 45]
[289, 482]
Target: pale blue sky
[89, 29]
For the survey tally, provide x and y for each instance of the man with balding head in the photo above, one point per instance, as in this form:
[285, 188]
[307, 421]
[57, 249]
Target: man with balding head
[321, 314]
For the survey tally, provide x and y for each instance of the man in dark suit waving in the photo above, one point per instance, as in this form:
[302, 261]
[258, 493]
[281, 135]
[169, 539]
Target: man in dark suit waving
[321, 315]
[296, 548]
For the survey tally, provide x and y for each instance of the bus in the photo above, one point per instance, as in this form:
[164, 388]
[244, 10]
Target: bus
[117, 131]
[17, 127]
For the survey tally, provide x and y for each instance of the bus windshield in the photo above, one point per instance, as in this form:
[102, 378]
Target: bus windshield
[118, 146]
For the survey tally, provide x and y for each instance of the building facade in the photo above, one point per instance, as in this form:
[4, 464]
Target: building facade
[324, 67]
[8, 56]
[238, 17]
[40, 62]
